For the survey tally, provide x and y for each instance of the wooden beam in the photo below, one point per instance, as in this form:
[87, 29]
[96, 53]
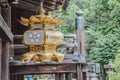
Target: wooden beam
[21, 46]
[69, 45]
[43, 69]
[65, 36]
[21, 49]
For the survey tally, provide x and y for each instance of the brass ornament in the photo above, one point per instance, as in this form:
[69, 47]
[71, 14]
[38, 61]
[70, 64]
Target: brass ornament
[42, 38]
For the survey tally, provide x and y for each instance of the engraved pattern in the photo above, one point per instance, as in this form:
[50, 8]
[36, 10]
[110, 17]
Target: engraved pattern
[35, 37]
[54, 37]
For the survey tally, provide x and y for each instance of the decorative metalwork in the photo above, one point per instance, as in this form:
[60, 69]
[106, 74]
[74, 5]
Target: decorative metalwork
[42, 38]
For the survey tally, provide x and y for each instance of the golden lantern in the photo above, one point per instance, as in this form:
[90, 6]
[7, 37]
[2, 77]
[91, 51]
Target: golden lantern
[42, 38]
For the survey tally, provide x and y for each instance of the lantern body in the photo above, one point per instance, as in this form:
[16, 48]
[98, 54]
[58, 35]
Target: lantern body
[42, 38]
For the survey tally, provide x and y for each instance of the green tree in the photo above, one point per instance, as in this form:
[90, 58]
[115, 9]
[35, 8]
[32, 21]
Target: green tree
[102, 23]
[102, 27]
[116, 65]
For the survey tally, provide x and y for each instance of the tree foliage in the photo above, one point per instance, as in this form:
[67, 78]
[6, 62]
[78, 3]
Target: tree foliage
[102, 23]
[116, 65]
[102, 27]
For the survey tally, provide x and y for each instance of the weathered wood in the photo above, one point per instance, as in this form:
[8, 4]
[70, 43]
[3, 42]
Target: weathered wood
[79, 72]
[68, 76]
[80, 48]
[57, 76]
[67, 59]
[61, 76]
[18, 36]
[69, 45]
[20, 51]
[82, 43]
[65, 36]
[58, 69]
[0, 56]
[21, 46]
[80, 32]
[5, 61]
[5, 30]
[46, 68]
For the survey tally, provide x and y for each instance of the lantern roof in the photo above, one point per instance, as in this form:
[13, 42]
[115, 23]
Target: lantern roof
[42, 18]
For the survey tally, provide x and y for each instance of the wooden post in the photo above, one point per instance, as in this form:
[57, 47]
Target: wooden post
[79, 72]
[0, 56]
[61, 76]
[80, 32]
[68, 76]
[5, 61]
[57, 76]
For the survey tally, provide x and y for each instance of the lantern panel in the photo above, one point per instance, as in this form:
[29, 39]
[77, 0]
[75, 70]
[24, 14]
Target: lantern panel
[54, 37]
[35, 37]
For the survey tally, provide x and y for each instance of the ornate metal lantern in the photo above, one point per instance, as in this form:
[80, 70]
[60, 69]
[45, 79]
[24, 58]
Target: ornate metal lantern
[42, 38]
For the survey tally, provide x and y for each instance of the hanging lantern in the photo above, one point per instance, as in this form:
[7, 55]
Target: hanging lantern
[42, 38]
